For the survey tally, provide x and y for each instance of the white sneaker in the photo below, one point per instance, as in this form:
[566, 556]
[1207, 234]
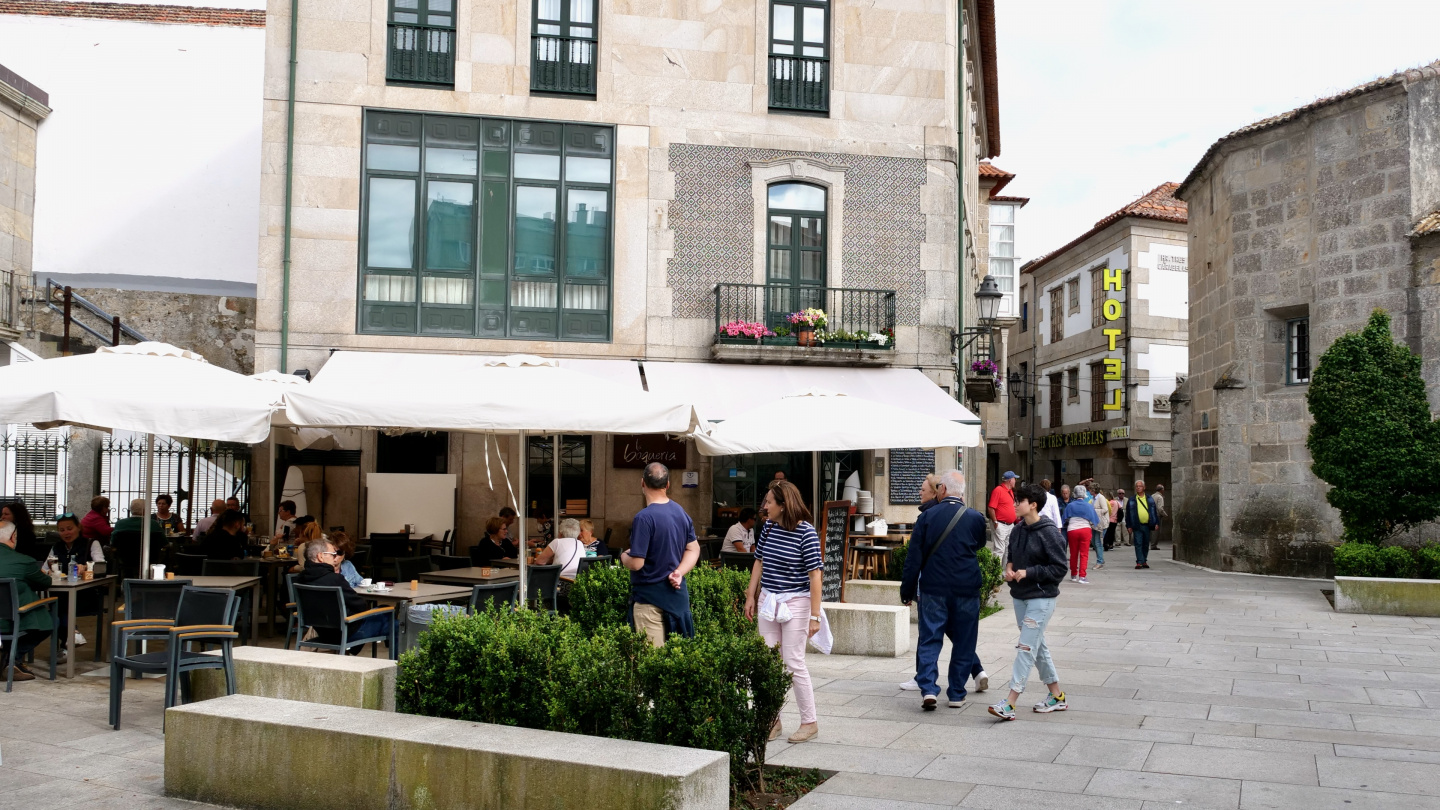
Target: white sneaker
[1083, 581]
[1074, 578]
[79, 640]
[910, 686]
[929, 702]
[982, 681]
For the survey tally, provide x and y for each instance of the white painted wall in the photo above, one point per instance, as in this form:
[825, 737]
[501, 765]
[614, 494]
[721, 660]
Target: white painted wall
[1169, 289]
[1078, 322]
[1163, 361]
[150, 163]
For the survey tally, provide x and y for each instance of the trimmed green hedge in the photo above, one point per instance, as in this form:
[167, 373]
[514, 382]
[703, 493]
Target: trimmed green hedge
[991, 572]
[590, 673]
[1356, 559]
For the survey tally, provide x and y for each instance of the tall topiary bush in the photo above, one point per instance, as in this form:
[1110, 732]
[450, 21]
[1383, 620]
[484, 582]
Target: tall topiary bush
[1373, 440]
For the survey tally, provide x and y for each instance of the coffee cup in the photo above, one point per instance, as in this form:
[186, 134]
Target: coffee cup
[367, 582]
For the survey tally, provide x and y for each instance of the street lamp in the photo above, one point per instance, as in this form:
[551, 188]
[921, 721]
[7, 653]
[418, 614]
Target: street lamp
[987, 302]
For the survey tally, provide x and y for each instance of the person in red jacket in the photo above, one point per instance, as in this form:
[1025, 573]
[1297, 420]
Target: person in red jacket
[96, 523]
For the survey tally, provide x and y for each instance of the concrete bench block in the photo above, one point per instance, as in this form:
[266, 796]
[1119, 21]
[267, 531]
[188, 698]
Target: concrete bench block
[311, 677]
[254, 752]
[878, 592]
[880, 630]
[1387, 597]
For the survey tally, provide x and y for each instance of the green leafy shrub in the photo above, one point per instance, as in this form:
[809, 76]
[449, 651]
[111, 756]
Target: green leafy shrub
[896, 567]
[596, 687]
[1358, 560]
[1398, 562]
[717, 691]
[717, 600]
[600, 597]
[991, 576]
[1373, 439]
[1427, 561]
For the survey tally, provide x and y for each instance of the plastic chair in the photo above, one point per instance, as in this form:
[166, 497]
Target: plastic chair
[12, 610]
[323, 608]
[235, 568]
[587, 562]
[145, 601]
[410, 568]
[739, 560]
[189, 565]
[202, 615]
[544, 581]
[126, 561]
[496, 594]
[445, 562]
[361, 559]
[291, 613]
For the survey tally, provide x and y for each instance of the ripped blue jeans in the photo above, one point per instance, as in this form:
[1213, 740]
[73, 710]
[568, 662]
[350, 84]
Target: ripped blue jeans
[1030, 651]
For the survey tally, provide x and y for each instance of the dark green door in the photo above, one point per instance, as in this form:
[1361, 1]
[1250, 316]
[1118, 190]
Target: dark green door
[795, 250]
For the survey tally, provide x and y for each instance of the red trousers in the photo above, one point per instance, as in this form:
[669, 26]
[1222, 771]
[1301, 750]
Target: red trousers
[1079, 551]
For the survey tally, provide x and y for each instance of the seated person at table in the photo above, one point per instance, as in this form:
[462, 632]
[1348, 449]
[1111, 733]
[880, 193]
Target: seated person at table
[566, 550]
[126, 539]
[233, 502]
[345, 547]
[284, 521]
[70, 548]
[133, 522]
[96, 523]
[226, 539]
[205, 524]
[741, 536]
[322, 567]
[170, 520]
[592, 543]
[35, 626]
[495, 545]
[306, 532]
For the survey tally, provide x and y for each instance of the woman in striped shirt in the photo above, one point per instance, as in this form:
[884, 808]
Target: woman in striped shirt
[785, 592]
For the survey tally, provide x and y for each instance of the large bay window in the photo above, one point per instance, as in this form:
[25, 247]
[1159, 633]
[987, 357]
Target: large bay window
[1002, 254]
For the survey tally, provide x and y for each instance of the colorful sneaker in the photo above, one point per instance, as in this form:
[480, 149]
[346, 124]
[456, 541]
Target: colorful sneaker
[1052, 703]
[928, 703]
[1003, 710]
[982, 681]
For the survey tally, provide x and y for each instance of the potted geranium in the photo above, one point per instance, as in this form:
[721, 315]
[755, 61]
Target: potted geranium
[806, 322]
[983, 381]
[746, 331]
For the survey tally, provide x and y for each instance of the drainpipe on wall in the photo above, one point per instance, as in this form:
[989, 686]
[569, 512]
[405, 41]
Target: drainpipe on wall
[289, 190]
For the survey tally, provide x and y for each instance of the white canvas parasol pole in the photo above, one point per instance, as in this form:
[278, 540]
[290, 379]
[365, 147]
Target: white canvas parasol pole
[149, 500]
[522, 512]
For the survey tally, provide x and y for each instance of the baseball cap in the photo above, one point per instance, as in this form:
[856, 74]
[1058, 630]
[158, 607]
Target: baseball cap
[1008, 475]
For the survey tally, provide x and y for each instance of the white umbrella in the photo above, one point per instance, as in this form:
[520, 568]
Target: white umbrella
[817, 420]
[515, 394]
[147, 388]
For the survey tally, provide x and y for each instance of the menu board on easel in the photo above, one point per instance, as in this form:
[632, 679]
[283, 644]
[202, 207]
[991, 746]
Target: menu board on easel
[835, 518]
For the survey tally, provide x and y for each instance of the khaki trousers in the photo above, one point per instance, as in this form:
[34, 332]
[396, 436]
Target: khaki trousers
[650, 620]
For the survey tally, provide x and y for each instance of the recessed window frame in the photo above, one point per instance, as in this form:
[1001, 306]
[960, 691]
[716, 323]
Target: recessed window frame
[1297, 351]
[787, 93]
[797, 293]
[557, 37]
[1003, 263]
[421, 30]
[1057, 401]
[1057, 314]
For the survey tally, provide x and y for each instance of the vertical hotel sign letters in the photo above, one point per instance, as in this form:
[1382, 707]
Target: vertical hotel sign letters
[1114, 366]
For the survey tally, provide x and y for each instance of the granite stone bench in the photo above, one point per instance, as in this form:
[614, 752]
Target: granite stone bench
[255, 752]
[1387, 597]
[879, 630]
[336, 680]
[878, 592]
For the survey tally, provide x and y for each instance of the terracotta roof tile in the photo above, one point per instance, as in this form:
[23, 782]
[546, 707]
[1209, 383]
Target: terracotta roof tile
[1007, 199]
[138, 12]
[1001, 177]
[1160, 204]
[1428, 224]
[1273, 121]
[985, 11]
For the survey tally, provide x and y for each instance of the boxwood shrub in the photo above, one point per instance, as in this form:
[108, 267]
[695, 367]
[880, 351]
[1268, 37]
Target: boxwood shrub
[1356, 559]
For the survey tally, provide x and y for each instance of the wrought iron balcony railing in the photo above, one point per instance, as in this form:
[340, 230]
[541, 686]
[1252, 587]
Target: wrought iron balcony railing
[799, 83]
[562, 65]
[854, 318]
[421, 54]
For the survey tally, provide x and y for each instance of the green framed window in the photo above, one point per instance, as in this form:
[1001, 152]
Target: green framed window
[563, 47]
[421, 46]
[800, 55]
[484, 227]
[795, 260]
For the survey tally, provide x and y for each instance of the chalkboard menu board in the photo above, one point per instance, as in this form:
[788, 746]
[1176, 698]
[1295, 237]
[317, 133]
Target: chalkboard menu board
[908, 468]
[836, 518]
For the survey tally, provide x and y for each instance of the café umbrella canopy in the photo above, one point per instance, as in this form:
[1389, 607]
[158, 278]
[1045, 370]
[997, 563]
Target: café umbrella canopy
[147, 388]
[817, 420]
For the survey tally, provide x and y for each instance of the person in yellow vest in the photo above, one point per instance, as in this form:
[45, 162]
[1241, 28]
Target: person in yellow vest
[1142, 519]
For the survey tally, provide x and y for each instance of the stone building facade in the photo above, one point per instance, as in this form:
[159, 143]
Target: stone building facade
[1099, 348]
[621, 180]
[22, 107]
[1300, 226]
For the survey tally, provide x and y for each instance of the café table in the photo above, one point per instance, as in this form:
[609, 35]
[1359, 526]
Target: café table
[401, 597]
[59, 586]
[465, 576]
[272, 570]
[236, 584]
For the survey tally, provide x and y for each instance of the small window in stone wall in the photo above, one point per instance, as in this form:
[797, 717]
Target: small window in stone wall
[1073, 384]
[1097, 295]
[1297, 351]
[1057, 320]
[1074, 288]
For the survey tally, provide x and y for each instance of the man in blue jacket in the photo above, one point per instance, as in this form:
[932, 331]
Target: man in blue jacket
[1142, 519]
[941, 569]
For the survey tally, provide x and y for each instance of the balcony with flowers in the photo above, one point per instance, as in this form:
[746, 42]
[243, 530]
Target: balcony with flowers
[757, 323]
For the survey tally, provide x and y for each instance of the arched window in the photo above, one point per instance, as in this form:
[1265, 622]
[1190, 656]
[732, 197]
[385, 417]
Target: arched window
[795, 248]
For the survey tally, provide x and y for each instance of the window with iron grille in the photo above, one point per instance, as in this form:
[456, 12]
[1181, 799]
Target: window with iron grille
[800, 56]
[1073, 285]
[1025, 388]
[1097, 392]
[563, 47]
[1057, 315]
[1073, 387]
[488, 227]
[1057, 402]
[1297, 351]
[421, 48]
[1097, 296]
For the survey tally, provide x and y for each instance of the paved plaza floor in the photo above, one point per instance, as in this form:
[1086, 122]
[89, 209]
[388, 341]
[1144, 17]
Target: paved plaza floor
[1187, 689]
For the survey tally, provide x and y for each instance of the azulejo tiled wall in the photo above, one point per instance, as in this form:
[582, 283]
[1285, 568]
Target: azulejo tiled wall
[712, 216]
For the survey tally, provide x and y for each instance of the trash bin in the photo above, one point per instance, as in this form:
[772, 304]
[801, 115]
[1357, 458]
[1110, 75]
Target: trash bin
[418, 619]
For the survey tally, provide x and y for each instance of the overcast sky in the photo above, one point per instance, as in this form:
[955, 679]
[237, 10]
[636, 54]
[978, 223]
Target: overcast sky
[1102, 100]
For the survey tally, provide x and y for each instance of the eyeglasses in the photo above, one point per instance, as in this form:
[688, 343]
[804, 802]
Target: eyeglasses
[328, 554]
[65, 515]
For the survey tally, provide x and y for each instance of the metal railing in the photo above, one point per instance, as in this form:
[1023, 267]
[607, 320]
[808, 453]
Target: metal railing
[70, 305]
[194, 474]
[421, 54]
[853, 317]
[8, 310]
[799, 83]
[562, 65]
[33, 465]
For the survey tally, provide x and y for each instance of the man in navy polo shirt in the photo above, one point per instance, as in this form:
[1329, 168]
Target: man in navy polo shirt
[663, 549]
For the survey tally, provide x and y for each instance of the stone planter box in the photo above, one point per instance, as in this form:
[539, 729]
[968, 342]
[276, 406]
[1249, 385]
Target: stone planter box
[878, 630]
[1387, 597]
[310, 677]
[878, 592]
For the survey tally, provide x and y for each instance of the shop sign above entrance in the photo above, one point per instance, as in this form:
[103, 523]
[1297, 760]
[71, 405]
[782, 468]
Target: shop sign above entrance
[1079, 438]
[634, 452]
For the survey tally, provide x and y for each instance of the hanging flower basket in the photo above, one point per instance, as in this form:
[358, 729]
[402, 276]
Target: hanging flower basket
[982, 384]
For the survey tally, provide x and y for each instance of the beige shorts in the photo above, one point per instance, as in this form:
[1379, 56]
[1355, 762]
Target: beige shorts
[650, 620]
